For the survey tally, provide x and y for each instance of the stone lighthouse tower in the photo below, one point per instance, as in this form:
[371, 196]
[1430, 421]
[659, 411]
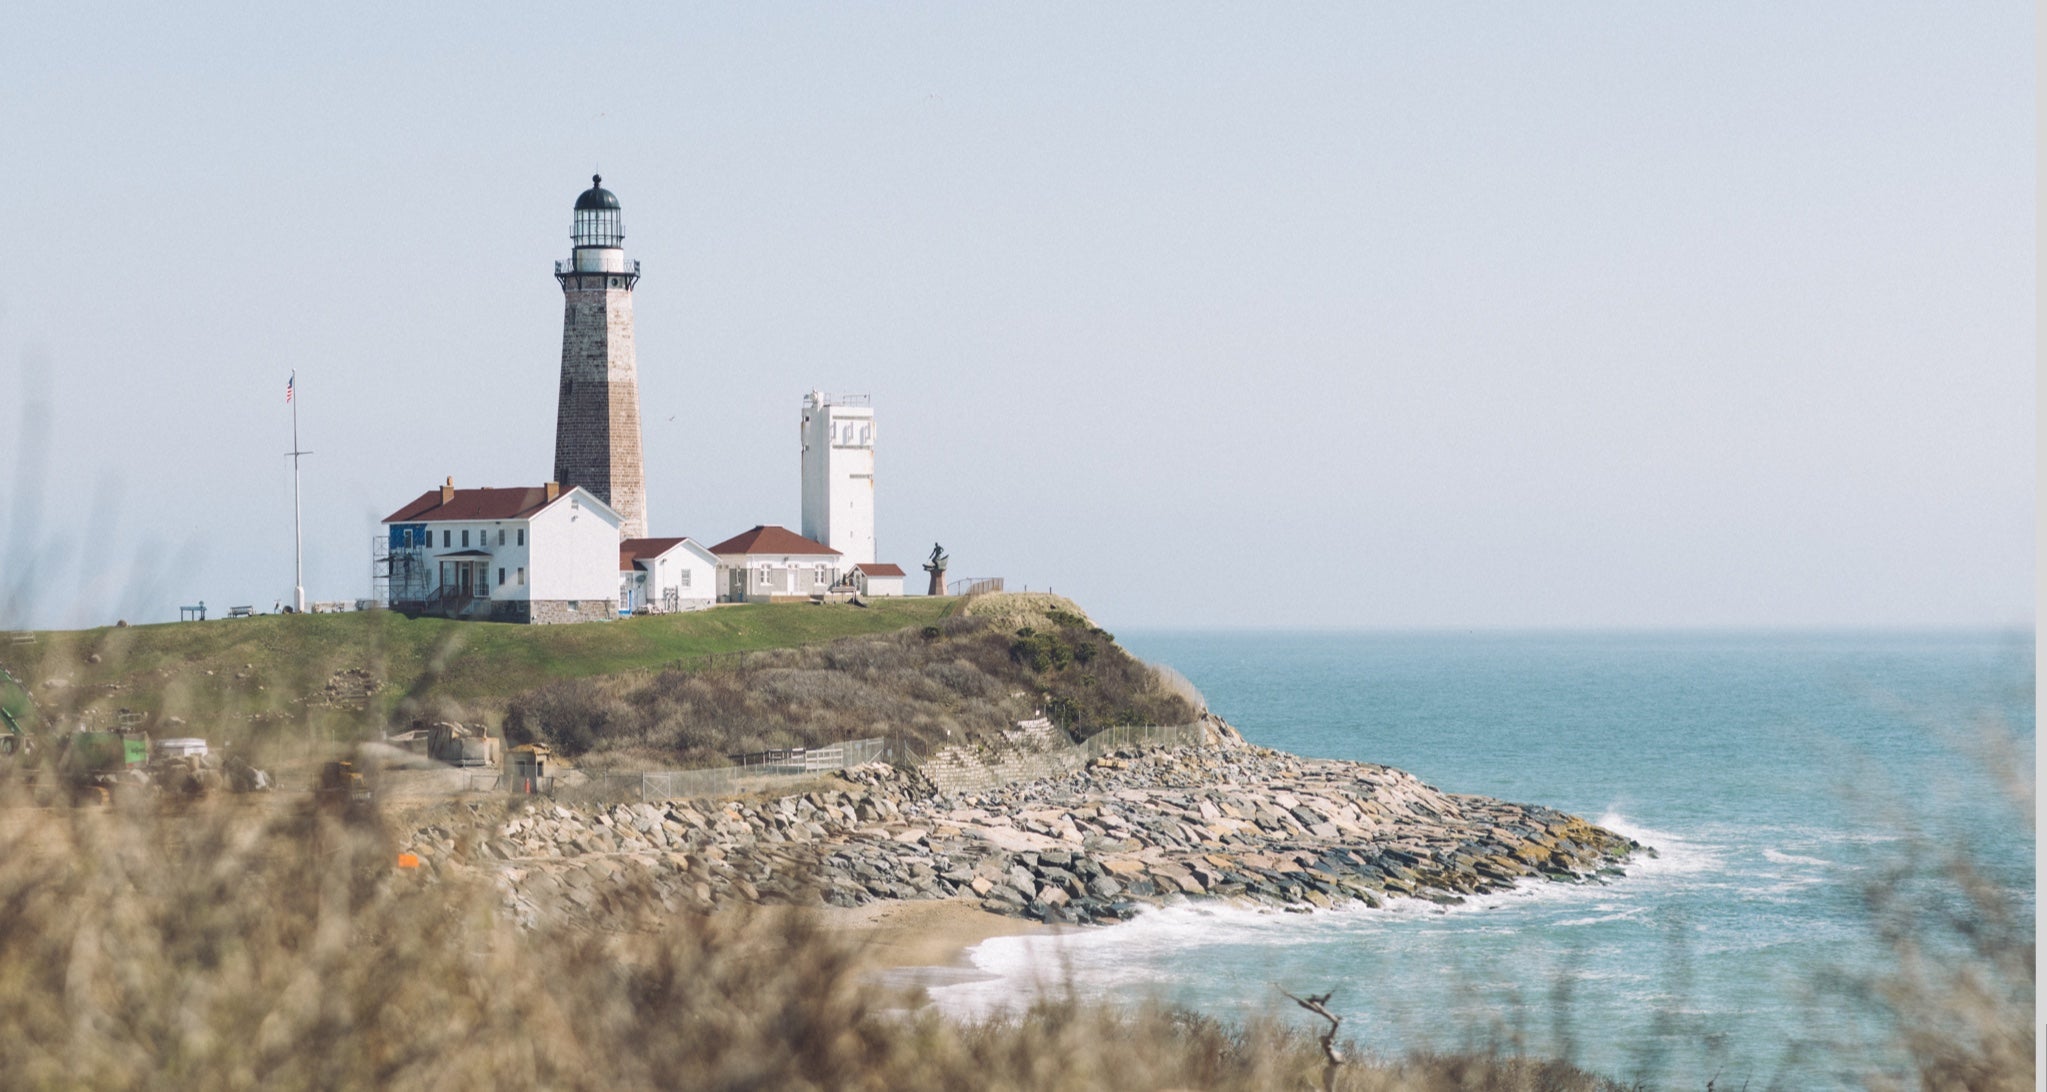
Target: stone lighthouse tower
[597, 427]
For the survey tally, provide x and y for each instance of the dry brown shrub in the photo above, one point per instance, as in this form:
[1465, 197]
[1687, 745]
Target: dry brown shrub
[273, 945]
[969, 682]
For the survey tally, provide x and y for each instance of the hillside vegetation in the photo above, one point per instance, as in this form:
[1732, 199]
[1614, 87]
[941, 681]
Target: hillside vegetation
[965, 678]
[684, 689]
[345, 676]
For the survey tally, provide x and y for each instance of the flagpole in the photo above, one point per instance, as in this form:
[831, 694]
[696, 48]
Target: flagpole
[298, 538]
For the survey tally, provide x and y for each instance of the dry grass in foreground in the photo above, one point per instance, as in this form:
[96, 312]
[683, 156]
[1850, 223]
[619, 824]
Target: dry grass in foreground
[275, 946]
[257, 942]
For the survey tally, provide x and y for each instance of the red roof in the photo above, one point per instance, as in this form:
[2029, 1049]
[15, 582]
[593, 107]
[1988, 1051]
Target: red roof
[880, 568]
[769, 539]
[484, 503]
[644, 549]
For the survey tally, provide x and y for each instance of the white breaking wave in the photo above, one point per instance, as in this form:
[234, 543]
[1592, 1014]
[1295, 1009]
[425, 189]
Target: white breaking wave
[1601, 919]
[1779, 857]
[1676, 855]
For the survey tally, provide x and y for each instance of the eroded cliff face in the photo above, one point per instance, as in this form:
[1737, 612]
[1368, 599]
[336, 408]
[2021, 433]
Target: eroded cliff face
[1130, 830]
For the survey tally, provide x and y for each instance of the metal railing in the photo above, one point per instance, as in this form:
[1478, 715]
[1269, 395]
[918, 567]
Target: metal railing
[831, 399]
[974, 585]
[564, 266]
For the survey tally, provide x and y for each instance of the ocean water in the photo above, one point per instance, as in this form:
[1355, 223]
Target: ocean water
[1778, 776]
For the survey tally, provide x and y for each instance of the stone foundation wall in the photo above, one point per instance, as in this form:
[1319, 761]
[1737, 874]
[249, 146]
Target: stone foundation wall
[541, 612]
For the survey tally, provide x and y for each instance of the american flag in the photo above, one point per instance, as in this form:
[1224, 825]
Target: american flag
[287, 385]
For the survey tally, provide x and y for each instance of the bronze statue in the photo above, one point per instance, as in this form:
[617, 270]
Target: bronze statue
[936, 567]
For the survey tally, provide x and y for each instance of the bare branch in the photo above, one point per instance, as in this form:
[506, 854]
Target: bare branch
[1332, 1057]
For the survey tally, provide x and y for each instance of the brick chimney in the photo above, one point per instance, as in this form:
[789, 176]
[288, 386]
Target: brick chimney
[448, 490]
[554, 491]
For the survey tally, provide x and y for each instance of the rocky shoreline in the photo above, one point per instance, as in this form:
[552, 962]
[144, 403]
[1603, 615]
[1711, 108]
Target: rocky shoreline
[1128, 831]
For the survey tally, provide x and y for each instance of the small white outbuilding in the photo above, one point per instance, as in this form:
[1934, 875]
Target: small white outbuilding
[665, 575]
[878, 578]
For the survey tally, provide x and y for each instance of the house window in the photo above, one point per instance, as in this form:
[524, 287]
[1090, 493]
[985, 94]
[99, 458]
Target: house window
[465, 538]
[445, 536]
[501, 542]
[501, 576]
[522, 536]
[522, 575]
[682, 579]
[764, 578]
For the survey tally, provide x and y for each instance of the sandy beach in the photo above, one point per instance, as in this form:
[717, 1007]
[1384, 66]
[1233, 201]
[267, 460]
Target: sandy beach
[918, 933]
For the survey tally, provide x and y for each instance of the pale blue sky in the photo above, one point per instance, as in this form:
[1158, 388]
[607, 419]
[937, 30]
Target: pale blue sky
[1379, 316]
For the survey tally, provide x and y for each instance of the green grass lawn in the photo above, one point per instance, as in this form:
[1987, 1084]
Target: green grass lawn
[276, 668]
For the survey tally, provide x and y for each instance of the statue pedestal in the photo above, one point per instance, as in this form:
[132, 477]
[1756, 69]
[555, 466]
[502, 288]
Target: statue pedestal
[937, 580]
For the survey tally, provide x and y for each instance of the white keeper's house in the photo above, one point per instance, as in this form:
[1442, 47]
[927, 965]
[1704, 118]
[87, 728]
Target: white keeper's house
[664, 575]
[524, 554]
[757, 565]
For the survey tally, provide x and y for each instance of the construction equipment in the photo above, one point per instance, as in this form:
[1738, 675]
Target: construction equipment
[89, 763]
[16, 707]
[341, 783]
[185, 767]
[460, 746]
[95, 765]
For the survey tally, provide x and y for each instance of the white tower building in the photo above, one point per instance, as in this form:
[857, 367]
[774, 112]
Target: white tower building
[838, 474]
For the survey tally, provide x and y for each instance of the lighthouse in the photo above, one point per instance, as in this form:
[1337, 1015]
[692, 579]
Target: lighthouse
[597, 425]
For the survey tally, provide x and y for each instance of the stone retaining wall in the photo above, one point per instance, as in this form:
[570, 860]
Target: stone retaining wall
[1036, 750]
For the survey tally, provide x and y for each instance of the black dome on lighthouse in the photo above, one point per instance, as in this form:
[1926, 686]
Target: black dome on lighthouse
[596, 197]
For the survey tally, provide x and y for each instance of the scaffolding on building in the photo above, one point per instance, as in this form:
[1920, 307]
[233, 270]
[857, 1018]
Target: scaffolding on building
[401, 575]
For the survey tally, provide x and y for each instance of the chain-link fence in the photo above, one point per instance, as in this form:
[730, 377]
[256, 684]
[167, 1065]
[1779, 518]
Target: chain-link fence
[715, 781]
[749, 771]
[1154, 735]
